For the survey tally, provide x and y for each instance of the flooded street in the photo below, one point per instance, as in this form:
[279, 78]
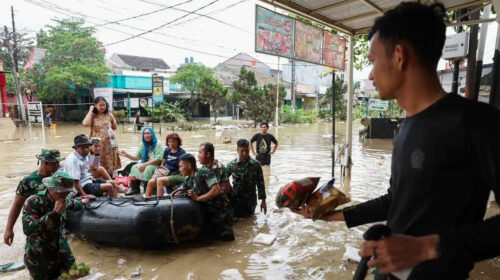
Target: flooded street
[303, 249]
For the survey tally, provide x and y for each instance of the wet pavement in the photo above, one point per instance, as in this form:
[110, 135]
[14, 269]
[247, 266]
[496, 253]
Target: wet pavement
[303, 249]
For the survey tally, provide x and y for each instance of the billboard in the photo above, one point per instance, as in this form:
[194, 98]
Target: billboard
[157, 88]
[334, 51]
[274, 33]
[308, 41]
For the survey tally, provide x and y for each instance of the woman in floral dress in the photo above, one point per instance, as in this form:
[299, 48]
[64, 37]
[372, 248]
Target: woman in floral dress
[103, 125]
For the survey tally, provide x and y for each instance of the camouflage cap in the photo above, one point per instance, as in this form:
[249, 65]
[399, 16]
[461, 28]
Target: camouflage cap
[59, 182]
[50, 155]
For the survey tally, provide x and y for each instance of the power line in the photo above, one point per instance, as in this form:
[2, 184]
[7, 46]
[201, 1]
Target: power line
[212, 13]
[145, 14]
[202, 15]
[144, 38]
[132, 27]
[156, 28]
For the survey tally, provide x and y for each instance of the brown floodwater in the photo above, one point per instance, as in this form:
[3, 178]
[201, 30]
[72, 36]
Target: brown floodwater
[303, 249]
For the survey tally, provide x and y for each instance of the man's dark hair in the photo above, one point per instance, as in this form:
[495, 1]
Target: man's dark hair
[421, 27]
[264, 123]
[189, 158]
[208, 148]
[242, 143]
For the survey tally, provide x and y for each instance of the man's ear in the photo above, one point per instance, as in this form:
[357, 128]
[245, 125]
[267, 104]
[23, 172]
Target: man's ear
[400, 56]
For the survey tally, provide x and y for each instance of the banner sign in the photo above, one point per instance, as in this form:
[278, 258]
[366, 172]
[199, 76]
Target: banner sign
[35, 113]
[157, 88]
[279, 35]
[377, 104]
[274, 33]
[308, 40]
[334, 51]
[107, 93]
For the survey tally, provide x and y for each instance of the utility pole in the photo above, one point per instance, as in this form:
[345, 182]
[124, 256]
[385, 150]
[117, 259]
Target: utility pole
[8, 37]
[294, 106]
[14, 40]
[277, 114]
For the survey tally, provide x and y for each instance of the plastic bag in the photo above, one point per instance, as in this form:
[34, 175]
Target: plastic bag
[296, 193]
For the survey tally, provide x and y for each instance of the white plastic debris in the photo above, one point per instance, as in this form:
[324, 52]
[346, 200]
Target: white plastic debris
[351, 254]
[264, 239]
[137, 272]
[121, 262]
[277, 259]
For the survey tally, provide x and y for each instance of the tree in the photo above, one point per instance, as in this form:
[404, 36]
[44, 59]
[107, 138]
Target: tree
[214, 93]
[74, 60]
[189, 78]
[257, 103]
[325, 103]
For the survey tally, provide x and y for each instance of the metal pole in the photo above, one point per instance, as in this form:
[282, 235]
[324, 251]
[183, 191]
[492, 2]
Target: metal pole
[495, 73]
[480, 53]
[456, 68]
[277, 114]
[350, 91]
[294, 106]
[471, 59]
[333, 123]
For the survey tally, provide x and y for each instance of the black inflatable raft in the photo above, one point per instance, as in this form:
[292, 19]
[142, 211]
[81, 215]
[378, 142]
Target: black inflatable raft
[138, 222]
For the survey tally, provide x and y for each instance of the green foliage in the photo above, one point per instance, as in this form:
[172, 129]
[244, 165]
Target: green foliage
[361, 46]
[299, 116]
[75, 116]
[74, 59]
[214, 93]
[190, 76]
[119, 115]
[167, 112]
[325, 102]
[257, 103]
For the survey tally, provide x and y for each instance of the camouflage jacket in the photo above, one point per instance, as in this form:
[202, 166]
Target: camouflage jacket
[219, 171]
[42, 225]
[30, 185]
[201, 183]
[247, 175]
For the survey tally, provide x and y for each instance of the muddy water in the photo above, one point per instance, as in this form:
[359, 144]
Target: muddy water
[303, 249]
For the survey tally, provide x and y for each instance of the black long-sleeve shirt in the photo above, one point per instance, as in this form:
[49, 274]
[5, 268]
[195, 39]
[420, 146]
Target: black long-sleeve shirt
[446, 160]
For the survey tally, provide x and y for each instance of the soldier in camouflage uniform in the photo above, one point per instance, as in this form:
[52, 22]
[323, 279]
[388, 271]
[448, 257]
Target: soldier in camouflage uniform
[247, 176]
[31, 185]
[206, 156]
[204, 187]
[47, 252]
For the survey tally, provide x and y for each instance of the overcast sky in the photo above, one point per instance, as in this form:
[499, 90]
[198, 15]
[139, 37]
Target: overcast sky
[209, 41]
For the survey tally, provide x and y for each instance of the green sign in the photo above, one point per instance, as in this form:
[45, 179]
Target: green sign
[377, 104]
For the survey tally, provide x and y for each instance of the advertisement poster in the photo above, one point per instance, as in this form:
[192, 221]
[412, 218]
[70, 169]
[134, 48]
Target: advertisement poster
[334, 51]
[157, 88]
[308, 40]
[274, 33]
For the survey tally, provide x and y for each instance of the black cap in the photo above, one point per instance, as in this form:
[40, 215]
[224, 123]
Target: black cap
[81, 140]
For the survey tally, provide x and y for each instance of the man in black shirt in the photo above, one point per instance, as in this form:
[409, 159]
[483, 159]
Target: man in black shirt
[263, 148]
[445, 163]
